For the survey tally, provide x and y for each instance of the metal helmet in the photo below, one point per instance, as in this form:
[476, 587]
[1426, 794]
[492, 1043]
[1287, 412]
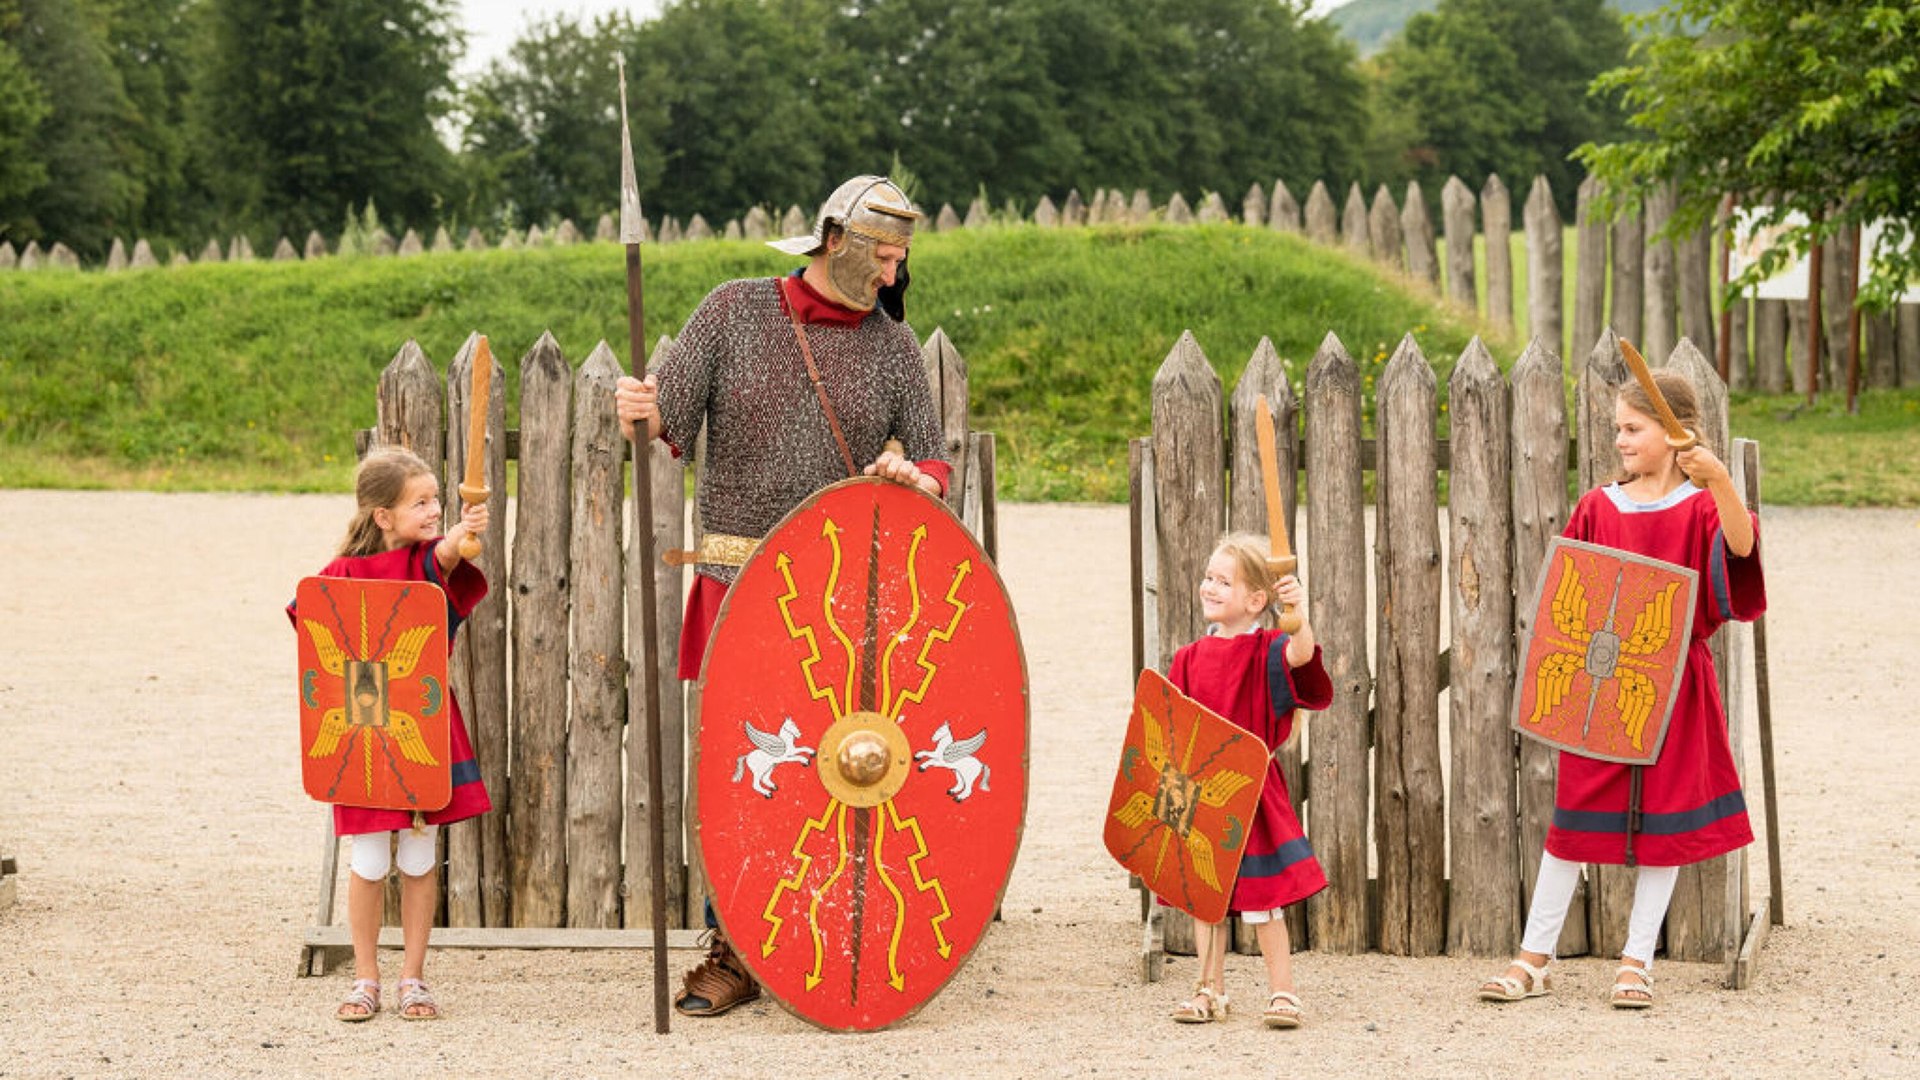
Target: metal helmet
[870, 211]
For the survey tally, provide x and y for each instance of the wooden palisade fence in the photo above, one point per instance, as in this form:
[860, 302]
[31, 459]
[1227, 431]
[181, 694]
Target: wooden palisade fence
[1456, 836]
[562, 860]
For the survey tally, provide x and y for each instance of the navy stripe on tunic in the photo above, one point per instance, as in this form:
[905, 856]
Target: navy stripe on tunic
[466, 772]
[1672, 824]
[1293, 851]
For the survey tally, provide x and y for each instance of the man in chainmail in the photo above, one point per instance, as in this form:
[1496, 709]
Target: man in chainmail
[799, 382]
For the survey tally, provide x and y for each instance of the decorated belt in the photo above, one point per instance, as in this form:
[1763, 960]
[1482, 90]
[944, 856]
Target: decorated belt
[716, 549]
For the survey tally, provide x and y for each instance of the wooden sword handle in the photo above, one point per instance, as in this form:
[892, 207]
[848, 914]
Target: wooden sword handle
[474, 488]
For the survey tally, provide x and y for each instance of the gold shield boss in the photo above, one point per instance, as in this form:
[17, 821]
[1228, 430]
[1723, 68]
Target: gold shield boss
[869, 211]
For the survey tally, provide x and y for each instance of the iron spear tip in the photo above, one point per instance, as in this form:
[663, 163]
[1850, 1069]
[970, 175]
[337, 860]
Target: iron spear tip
[632, 224]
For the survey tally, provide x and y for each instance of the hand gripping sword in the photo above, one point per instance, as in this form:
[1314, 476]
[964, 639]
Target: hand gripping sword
[1280, 558]
[630, 225]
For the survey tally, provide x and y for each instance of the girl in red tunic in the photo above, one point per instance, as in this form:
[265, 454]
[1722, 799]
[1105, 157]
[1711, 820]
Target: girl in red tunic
[394, 535]
[1255, 677]
[1690, 807]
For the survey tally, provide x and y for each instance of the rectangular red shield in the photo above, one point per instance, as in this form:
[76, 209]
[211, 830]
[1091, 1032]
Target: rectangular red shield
[1184, 798]
[374, 707]
[1607, 645]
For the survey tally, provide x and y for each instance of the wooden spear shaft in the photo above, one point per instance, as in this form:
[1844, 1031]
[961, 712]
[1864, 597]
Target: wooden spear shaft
[643, 546]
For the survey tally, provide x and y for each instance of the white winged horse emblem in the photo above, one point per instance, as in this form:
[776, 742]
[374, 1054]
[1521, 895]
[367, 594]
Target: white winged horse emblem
[769, 751]
[957, 756]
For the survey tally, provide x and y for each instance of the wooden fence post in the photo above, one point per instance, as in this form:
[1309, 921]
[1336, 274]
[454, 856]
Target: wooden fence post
[1629, 282]
[1739, 345]
[1353, 222]
[1539, 514]
[1770, 345]
[1880, 368]
[1546, 272]
[537, 821]
[669, 531]
[1658, 275]
[1337, 595]
[1589, 270]
[410, 415]
[1609, 888]
[1798, 342]
[477, 856]
[597, 667]
[1693, 266]
[1253, 206]
[1266, 374]
[1836, 303]
[1422, 260]
[947, 378]
[1456, 207]
[1284, 214]
[1189, 506]
[1410, 797]
[1909, 335]
[1323, 221]
[1383, 230]
[1483, 913]
[1706, 918]
[1496, 222]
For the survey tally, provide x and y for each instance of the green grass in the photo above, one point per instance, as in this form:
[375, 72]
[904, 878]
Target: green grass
[254, 377]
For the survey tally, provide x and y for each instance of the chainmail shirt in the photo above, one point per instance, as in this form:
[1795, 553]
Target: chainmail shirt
[736, 369]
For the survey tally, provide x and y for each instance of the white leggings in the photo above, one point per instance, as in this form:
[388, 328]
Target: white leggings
[1553, 892]
[373, 853]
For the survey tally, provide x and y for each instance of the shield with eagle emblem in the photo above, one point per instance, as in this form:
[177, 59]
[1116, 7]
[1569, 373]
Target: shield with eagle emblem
[860, 754]
[374, 715]
[1608, 642]
[1184, 798]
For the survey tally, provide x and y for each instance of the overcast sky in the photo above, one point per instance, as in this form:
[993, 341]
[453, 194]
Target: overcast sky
[493, 25]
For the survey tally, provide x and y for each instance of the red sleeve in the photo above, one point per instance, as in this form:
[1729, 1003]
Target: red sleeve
[1312, 686]
[465, 587]
[1735, 586]
[939, 470]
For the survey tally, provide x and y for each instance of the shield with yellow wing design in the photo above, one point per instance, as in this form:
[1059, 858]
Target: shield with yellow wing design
[860, 765]
[1184, 798]
[374, 715]
[1609, 640]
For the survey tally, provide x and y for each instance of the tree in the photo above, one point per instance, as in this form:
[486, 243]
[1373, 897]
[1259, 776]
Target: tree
[1480, 86]
[1797, 105]
[543, 136]
[308, 107]
[150, 44]
[81, 148]
[23, 107]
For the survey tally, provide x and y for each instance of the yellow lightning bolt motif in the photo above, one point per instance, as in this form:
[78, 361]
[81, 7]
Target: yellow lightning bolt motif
[923, 884]
[813, 909]
[832, 533]
[793, 883]
[919, 693]
[894, 978]
[785, 564]
[913, 617]
[365, 648]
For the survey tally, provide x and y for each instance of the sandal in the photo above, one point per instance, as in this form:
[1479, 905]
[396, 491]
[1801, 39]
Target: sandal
[721, 982]
[1507, 988]
[1632, 995]
[415, 995]
[1204, 1007]
[1283, 1010]
[362, 1002]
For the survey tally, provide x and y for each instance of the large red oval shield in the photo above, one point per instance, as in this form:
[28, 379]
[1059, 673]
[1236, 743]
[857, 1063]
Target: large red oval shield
[375, 719]
[860, 772]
